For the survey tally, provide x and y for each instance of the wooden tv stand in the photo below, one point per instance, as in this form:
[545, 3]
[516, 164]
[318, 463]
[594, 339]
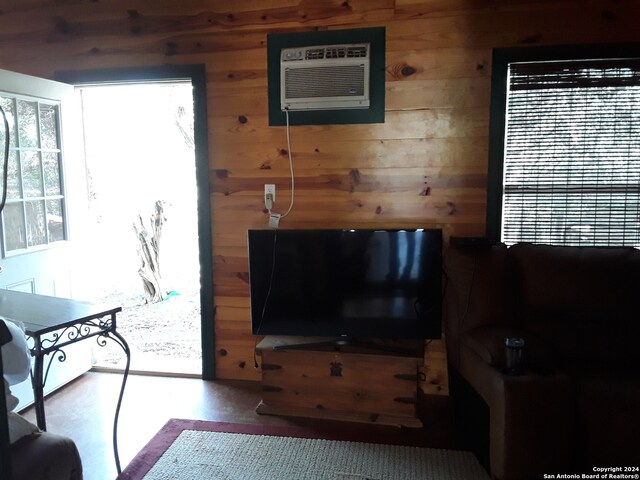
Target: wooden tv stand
[340, 382]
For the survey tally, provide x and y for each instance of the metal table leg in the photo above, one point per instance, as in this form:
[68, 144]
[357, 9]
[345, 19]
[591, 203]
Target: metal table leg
[37, 384]
[116, 337]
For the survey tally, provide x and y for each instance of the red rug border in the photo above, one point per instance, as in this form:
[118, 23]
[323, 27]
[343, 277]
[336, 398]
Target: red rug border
[161, 441]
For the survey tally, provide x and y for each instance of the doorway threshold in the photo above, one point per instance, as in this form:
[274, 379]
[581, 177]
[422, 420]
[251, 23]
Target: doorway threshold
[147, 373]
[145, 363]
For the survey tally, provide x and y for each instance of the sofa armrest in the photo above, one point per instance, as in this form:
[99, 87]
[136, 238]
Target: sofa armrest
[46, 456]
[530, 421]
[478, 293]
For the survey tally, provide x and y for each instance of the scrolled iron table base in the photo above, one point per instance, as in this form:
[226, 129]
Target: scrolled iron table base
[53, 323]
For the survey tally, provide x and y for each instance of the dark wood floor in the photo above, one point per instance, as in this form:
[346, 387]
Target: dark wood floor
[83, 410]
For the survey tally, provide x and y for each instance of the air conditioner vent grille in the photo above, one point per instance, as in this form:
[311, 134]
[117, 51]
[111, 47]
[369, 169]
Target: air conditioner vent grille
[314, 54]
[336, 52]
[322, 53]
[357, 52]
[325, 77]
[318, 82]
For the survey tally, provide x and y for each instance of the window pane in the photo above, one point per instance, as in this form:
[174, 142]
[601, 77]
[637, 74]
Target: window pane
[570, 218]
[51, 173]
[55, 220]
[28, 123]
[9, 110]
[14, 188]
[31, 174]
[572, 155]
[36, 234]
[14, 229]
[49, 126]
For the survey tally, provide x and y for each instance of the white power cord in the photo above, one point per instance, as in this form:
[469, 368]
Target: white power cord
[293, 183]
[274, 218]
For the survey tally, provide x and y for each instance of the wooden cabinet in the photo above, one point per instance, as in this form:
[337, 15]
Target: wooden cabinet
[339, 383]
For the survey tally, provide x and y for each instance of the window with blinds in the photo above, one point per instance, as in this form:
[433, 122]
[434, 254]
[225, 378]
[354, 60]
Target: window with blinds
[571, 172]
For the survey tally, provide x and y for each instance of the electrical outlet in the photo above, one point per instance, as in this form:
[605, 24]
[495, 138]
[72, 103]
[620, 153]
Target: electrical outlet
[270, 188]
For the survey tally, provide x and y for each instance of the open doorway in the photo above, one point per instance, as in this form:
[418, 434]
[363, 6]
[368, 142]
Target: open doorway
[141, 176]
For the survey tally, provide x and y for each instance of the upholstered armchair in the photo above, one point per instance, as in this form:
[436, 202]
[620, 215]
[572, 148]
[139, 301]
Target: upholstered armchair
[36, 455]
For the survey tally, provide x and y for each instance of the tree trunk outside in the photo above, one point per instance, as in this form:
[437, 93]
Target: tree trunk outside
[148, 247]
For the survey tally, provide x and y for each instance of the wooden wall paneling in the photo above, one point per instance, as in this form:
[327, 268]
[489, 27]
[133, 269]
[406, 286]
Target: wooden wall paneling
[418, 61]
[232, 314]
[234, 358]
[426, 123]
[372, 206]
[417, 181]
[438, 8]
[538, 23]
[235, 302]
[263, 158]
[449, 93]
[144, 17]
[424, 167]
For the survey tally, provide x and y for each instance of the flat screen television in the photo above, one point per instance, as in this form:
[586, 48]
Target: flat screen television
[382, 284]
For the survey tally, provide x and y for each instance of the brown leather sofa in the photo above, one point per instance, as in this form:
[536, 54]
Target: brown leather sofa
[577, 404]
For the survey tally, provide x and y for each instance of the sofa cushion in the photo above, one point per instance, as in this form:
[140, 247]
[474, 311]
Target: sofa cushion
[561, 337]
[584, 299]
[580, 281]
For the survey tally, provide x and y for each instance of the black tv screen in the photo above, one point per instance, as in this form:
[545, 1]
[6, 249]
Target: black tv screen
[346, 283]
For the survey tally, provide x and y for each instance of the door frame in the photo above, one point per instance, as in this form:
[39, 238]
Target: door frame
[197, 75]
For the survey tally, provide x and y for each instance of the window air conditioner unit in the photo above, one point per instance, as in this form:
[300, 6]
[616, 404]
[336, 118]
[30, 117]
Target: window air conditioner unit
[324, 77]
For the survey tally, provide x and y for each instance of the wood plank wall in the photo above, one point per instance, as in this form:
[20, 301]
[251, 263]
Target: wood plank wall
[424, 167]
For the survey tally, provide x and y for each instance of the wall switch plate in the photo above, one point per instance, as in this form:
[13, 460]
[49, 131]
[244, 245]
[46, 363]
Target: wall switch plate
[270, 188]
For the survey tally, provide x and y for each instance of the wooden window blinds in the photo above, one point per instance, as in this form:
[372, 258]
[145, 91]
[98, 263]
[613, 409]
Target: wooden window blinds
[571, 173]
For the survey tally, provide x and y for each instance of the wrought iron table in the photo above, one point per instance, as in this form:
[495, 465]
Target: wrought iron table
[52, 323]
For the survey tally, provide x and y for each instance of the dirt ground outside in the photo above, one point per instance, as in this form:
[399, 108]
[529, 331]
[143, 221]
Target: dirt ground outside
[163, 337]
[153, 157]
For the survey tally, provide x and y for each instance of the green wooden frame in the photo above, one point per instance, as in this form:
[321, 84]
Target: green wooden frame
[374, 114]
[502, 57]
[197, 75]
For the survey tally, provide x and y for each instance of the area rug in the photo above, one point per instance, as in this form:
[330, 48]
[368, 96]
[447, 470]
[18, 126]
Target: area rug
[192, 449]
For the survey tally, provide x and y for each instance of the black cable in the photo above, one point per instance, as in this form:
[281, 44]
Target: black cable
[445, 276]
[5, 163]
[273, 271]
[430, 308]
[266, 300]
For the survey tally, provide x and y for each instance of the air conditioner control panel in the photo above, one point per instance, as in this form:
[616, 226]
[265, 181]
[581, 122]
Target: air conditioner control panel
[290, 54]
